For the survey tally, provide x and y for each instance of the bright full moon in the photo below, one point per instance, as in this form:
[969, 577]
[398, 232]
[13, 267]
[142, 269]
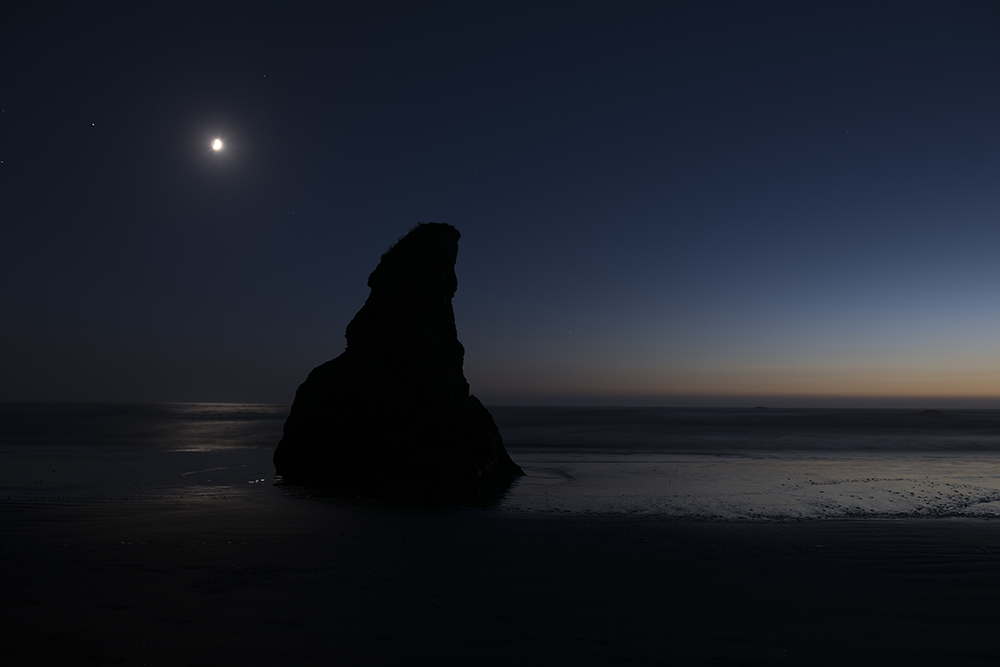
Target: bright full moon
[217, 145]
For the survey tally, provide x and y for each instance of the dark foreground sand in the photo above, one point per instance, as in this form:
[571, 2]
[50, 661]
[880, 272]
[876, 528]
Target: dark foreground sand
[320, 582]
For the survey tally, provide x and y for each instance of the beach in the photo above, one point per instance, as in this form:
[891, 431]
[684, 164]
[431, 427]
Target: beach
[189, 552]
[236, 582]
[515, 334]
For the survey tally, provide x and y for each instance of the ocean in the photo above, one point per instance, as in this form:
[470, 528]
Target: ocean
[757, 464]
[158, 535]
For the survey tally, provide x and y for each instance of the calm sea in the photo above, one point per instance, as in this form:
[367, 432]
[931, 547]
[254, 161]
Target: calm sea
[757, 464]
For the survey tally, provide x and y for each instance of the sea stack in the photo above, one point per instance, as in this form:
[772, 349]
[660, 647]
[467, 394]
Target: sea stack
[393, 415]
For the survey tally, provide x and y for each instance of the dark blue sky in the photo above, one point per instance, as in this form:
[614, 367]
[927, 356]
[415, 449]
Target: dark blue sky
[661, 203]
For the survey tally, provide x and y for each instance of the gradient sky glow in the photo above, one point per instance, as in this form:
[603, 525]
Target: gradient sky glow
[660, 203]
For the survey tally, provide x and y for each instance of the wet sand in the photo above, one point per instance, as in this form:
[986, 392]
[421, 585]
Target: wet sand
[241, 581]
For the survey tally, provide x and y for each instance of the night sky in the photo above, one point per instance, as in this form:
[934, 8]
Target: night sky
[676, 203]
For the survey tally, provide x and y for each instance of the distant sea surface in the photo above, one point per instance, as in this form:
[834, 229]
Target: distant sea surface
[713, 463]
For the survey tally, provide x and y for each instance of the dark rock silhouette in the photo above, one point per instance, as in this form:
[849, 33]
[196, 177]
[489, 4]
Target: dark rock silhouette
[393, 415]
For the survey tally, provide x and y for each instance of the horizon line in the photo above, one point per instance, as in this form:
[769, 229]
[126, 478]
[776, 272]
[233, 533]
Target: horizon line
[690, 402]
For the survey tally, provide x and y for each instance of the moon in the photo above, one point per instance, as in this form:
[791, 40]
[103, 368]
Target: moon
[217, 145]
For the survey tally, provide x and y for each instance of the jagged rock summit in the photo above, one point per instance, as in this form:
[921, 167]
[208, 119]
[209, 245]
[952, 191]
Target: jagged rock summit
[393, 413]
